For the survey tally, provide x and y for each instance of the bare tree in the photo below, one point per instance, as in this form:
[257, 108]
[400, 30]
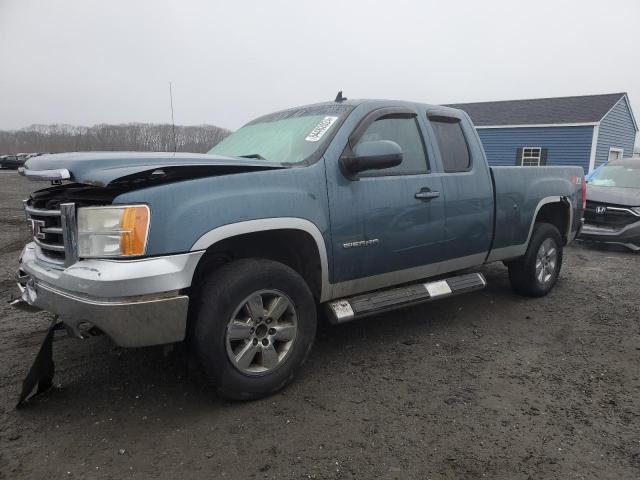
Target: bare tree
[132, 136]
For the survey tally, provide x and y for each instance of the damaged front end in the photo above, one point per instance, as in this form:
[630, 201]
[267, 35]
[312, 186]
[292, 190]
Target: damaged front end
[135, 301]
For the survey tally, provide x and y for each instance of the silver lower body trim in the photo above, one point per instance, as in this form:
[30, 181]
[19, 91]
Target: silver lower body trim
[376, 282]
[507, 253]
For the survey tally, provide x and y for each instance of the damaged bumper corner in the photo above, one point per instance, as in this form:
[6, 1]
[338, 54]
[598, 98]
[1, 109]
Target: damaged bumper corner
[136, 303]
[22, 302]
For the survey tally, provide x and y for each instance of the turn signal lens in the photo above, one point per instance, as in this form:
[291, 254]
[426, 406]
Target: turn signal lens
[134, 229]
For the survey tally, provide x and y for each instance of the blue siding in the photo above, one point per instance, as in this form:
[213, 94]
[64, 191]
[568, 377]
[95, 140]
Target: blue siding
[616, 130]
[565, 145]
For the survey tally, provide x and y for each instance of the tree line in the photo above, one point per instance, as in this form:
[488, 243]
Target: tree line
[131, 136]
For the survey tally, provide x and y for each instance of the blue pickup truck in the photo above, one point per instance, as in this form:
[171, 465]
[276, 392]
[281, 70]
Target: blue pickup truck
[356, 207]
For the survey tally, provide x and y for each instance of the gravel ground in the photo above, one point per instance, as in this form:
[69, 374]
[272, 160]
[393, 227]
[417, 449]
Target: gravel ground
[484, 385]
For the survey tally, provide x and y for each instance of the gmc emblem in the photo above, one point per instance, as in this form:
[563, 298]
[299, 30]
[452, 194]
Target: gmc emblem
[36, 228]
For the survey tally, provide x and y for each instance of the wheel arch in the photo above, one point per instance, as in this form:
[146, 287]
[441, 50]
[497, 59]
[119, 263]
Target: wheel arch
[556, 211]
[296, 242]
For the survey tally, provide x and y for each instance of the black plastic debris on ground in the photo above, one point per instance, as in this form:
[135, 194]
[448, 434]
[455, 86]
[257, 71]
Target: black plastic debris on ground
[42, 370]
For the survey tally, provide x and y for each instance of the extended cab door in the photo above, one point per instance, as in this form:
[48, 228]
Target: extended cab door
[386, 221]
[468, 189]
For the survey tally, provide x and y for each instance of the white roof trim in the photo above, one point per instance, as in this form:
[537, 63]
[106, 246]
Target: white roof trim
[594, 148]
[540, 125]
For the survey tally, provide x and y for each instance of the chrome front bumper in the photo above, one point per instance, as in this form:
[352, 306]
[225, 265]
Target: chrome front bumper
[135, 302]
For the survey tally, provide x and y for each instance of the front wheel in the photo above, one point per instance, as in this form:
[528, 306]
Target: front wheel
[255, 325]
[536, 273]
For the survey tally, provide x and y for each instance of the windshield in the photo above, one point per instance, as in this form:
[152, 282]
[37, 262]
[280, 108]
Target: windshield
[624, 176]
[290, 136]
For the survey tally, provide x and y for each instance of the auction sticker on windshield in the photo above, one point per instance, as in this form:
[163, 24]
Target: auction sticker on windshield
[320, 129]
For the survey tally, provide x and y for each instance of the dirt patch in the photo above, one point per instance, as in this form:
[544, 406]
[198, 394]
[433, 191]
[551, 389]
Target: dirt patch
[17, 221]
[13, 245]
[488, 385]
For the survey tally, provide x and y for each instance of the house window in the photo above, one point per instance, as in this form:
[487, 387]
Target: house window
[531, 157]
[615, 153]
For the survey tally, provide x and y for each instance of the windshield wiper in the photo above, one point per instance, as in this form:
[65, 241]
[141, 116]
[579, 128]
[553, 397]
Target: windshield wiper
[253, 155]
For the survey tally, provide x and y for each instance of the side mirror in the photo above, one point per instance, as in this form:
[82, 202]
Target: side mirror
[374, 155]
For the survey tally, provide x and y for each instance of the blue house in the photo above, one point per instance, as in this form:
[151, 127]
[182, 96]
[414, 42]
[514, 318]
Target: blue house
[585, 131]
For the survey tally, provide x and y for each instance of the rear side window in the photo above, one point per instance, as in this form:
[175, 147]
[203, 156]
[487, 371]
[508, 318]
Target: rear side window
[451, 143]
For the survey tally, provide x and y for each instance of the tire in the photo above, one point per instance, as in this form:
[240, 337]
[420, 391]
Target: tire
[270, 351]
[536, 273]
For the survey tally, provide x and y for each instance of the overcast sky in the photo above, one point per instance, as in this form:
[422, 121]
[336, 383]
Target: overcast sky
[85, 62]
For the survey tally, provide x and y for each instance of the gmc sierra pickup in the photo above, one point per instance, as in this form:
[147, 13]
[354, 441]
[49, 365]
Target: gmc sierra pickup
[357, 206]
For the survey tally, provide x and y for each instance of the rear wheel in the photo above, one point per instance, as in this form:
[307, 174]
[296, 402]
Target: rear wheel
[254, 327]
[536, 273]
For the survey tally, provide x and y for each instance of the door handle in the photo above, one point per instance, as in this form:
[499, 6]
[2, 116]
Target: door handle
[426, 194]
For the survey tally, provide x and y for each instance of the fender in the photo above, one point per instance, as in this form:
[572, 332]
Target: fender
[566, 201]
[519, 250]
[279, 223]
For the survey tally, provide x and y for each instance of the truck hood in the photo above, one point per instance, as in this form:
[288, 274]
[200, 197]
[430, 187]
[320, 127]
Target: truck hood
[104, 168]
[628, 197]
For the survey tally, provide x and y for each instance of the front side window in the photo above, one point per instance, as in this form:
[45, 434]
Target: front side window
[402, 129]
[451, 143]
[291, 136]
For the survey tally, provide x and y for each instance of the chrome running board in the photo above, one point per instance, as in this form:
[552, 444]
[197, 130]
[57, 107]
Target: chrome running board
[347, 309]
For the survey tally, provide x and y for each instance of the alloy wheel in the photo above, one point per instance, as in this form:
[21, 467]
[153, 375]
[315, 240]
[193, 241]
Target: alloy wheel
[546, 261]
[261, 332]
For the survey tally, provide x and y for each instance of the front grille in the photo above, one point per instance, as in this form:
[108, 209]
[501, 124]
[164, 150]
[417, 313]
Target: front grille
[614, 216]
[53, 228]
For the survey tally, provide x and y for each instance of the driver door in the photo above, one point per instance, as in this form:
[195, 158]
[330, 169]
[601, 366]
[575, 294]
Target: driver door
[385, 221]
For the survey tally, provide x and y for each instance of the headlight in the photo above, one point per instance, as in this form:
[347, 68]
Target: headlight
[636, 209]
[117, 231]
